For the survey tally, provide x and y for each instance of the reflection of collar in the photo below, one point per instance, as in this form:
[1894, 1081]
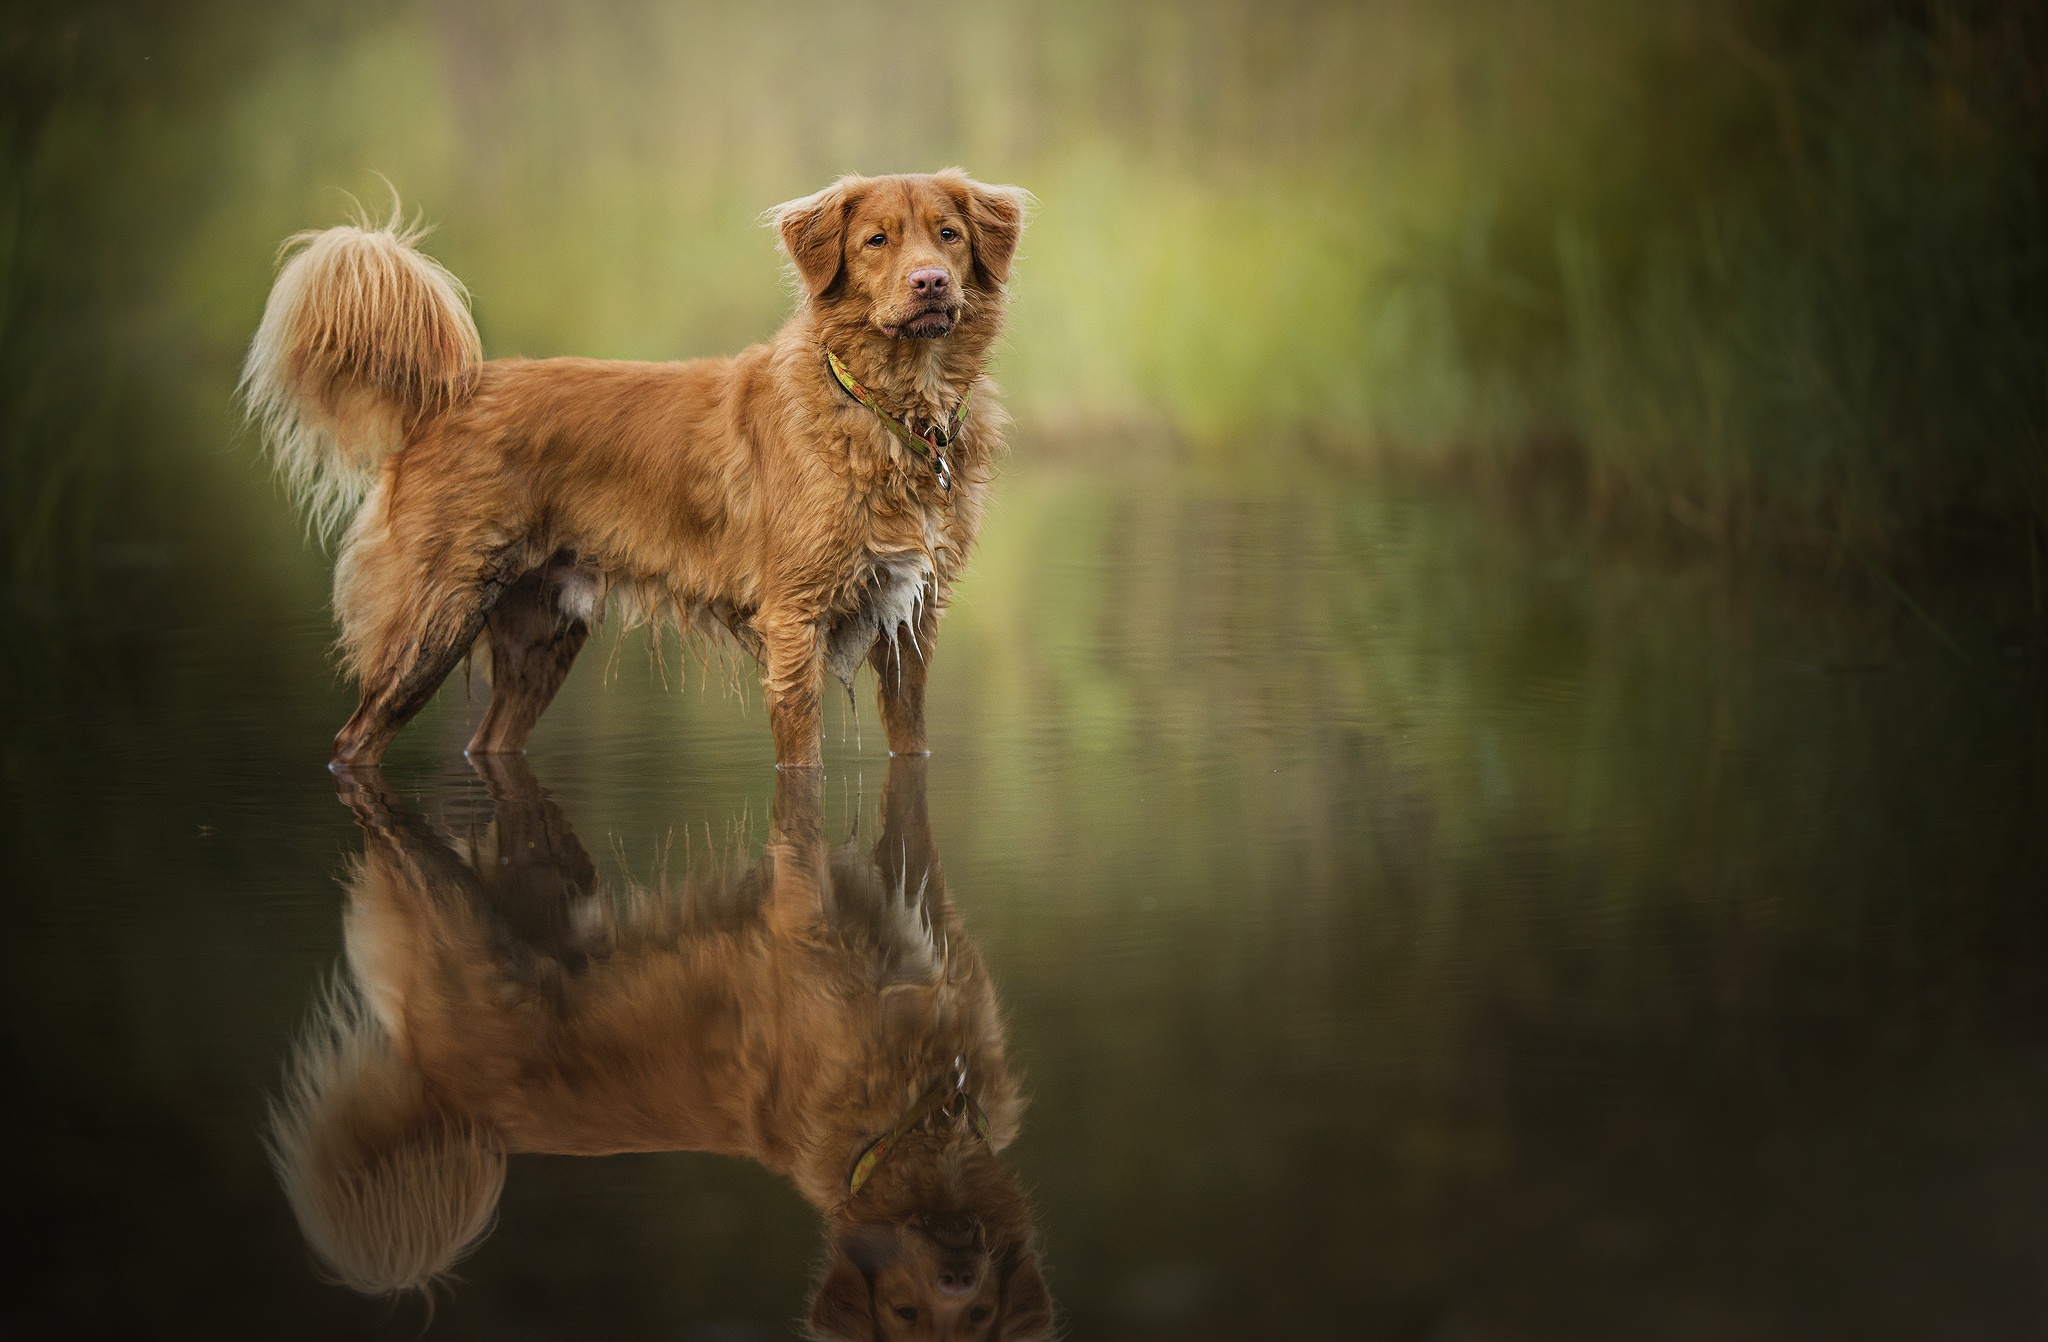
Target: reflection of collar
[948, 1098]
[931, 444]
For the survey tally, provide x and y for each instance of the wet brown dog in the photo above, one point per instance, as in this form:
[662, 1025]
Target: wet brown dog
[503, 505]
[500, 999]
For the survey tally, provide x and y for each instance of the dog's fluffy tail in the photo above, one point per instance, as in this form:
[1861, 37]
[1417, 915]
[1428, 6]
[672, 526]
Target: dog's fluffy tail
[363, 335]
[390, 1192]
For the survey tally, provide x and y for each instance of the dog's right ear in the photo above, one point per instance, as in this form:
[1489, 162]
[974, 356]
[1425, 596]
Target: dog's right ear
[813, 231]
[1027, 1305]
[845, 1306]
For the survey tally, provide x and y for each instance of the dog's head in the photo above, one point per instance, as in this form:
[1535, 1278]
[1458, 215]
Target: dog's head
[938, 1245]
[911, 257]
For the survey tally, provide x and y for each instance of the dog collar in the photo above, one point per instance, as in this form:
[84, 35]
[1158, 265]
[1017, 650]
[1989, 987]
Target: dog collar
[948, 1098]
[931, 444]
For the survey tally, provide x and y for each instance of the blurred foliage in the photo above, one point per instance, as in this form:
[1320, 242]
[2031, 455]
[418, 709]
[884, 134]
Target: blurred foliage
[1758, 270]
[112, 414]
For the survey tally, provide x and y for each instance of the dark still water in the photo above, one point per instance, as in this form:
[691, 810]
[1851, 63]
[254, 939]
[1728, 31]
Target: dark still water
[1355, 915]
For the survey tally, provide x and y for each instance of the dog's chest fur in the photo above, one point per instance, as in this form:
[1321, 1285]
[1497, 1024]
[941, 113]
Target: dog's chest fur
[887, 594]
[895, 567]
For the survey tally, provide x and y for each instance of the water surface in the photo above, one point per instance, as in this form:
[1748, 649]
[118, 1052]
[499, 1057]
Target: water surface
[1410, 922]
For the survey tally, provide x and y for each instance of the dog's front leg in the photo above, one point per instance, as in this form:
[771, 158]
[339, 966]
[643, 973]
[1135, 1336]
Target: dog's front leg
[794, 649]
[902, 660]
[795, 898]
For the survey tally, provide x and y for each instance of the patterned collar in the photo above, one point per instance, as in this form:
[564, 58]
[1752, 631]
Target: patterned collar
[931, 444]
[947, 1098]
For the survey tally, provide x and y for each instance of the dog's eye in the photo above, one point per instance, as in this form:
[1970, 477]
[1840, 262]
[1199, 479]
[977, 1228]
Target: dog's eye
[948, 234]
[977, 1314]
[879, 240]
[907, 1313]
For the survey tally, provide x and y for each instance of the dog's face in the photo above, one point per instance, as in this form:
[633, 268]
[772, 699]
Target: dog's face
[936, 1246]
[911, 256]
[930, 1278]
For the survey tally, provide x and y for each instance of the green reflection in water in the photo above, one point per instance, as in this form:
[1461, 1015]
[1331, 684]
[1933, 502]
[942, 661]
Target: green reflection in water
[1408, 922]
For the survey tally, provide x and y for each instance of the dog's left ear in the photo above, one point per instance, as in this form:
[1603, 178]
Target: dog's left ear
[813, 231]
[995, 220]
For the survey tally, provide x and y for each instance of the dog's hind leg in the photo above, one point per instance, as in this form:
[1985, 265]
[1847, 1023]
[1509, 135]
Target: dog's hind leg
[398, 688]
[534, 641]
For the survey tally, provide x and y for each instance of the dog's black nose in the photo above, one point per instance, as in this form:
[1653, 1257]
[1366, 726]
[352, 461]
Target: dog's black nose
[929, 282]
[956, 1280]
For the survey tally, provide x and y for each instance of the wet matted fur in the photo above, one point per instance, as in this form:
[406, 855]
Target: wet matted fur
[499, 999]
[503, 505]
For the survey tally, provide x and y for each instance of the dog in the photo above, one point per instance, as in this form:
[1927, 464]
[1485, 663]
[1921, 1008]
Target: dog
[815, 497]
[822, 1012]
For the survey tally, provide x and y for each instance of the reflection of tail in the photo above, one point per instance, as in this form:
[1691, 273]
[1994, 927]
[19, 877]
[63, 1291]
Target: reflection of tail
[362, 335]
[389, 1195]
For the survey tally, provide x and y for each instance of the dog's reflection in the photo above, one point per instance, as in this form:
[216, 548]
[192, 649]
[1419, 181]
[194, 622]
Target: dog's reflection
[821, 1012]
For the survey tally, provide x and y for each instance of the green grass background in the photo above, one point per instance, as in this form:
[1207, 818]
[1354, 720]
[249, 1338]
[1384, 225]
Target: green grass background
[1766, 274]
